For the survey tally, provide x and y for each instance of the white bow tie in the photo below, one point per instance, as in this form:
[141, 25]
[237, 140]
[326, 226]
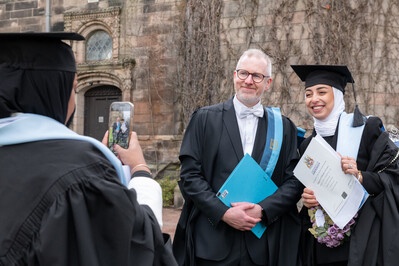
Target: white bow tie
[257, 111]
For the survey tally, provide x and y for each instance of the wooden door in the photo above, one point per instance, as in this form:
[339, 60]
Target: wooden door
[96, 114]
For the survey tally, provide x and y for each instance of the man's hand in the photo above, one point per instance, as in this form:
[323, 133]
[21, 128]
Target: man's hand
[238, 216]
[255, 212]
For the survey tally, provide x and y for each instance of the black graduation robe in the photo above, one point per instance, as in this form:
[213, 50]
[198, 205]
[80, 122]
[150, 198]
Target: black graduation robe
[61, 203]
[374, 239]
[210, 151]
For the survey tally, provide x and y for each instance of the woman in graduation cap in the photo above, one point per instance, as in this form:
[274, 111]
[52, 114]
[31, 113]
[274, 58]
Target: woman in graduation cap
[371, 237]
[63, 200]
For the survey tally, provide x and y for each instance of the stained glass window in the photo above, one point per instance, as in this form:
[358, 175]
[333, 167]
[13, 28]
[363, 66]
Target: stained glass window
[99, 46]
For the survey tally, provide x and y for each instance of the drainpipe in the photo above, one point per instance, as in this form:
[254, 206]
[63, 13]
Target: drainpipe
[48, 15]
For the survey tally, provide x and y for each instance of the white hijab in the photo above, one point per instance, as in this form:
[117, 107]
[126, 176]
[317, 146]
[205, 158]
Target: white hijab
[327, 127]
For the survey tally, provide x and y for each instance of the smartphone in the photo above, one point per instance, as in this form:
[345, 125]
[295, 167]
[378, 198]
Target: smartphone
[120, 124]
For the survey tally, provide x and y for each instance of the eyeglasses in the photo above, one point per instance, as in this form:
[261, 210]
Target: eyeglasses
[256, 77]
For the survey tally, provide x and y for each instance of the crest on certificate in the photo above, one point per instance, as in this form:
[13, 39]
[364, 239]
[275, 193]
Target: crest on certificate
[308, 161]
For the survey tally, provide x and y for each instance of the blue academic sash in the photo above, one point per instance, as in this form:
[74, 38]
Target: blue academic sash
[274, 140]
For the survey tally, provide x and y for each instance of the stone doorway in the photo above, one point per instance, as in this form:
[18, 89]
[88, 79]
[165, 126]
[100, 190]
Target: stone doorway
[96, 113]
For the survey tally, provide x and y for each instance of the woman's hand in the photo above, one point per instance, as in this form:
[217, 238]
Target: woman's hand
[308, 198]
[132, 156]
[349, 165]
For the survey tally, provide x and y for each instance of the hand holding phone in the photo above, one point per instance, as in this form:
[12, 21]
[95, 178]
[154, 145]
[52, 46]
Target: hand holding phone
[120, 124]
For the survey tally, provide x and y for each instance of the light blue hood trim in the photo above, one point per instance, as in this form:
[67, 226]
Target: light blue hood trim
[24, 128]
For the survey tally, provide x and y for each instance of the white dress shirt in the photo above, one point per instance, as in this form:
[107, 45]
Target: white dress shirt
[247, 125]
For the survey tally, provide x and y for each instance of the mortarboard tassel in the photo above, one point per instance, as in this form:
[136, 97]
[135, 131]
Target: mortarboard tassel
[358, 117]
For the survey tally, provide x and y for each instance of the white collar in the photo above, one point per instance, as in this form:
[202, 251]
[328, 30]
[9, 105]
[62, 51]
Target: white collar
[240, 107]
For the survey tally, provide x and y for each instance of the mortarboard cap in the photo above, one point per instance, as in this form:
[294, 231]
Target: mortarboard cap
[38, 50]
[336, 76]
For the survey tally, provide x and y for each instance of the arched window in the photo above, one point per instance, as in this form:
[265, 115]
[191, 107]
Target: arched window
[99, 46]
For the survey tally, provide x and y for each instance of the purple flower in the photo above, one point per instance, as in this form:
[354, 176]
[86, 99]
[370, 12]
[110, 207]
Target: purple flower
[350, 222]
[333, 243]
[332, 230]
[340, 236]
[329, 234]
[346, 228]
[335, 226]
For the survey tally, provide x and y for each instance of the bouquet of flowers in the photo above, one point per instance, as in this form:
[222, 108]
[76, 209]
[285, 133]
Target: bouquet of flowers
[324, 229]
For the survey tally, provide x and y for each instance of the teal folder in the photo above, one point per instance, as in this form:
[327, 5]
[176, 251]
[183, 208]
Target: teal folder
[247, 183]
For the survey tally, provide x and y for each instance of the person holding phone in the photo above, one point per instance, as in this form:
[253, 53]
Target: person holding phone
[367, 153]
[62, 197]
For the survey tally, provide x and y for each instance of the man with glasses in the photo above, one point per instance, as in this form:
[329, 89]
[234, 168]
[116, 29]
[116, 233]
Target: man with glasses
[216, 139]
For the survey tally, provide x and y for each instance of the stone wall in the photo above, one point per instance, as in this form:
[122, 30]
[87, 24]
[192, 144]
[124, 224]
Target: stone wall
[149, 32]
[150, 35]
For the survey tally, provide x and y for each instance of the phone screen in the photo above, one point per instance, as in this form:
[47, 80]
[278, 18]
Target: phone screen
[120, 124]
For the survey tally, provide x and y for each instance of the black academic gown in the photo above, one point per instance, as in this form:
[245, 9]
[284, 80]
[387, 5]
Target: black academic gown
[61, 203]
[374, 239]
[210, 150]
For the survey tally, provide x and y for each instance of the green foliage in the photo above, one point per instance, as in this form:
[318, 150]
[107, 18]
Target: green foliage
[168, 185]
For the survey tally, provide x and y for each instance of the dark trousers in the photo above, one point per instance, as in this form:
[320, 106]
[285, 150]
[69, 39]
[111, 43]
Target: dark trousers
[238, 256]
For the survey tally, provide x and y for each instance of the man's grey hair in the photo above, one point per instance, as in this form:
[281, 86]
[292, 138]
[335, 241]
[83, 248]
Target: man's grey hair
[260, 54]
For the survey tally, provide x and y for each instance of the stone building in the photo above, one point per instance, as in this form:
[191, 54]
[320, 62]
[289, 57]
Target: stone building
[124, 58]
[133, 52]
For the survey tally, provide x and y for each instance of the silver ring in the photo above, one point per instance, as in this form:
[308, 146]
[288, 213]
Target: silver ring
[350, 166]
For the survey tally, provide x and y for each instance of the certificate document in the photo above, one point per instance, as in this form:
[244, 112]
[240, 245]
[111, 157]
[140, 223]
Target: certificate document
[341, 195]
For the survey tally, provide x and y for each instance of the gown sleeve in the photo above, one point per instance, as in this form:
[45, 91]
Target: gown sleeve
[149, 193]
[376, 156]
[98, 222]
[375, 239]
